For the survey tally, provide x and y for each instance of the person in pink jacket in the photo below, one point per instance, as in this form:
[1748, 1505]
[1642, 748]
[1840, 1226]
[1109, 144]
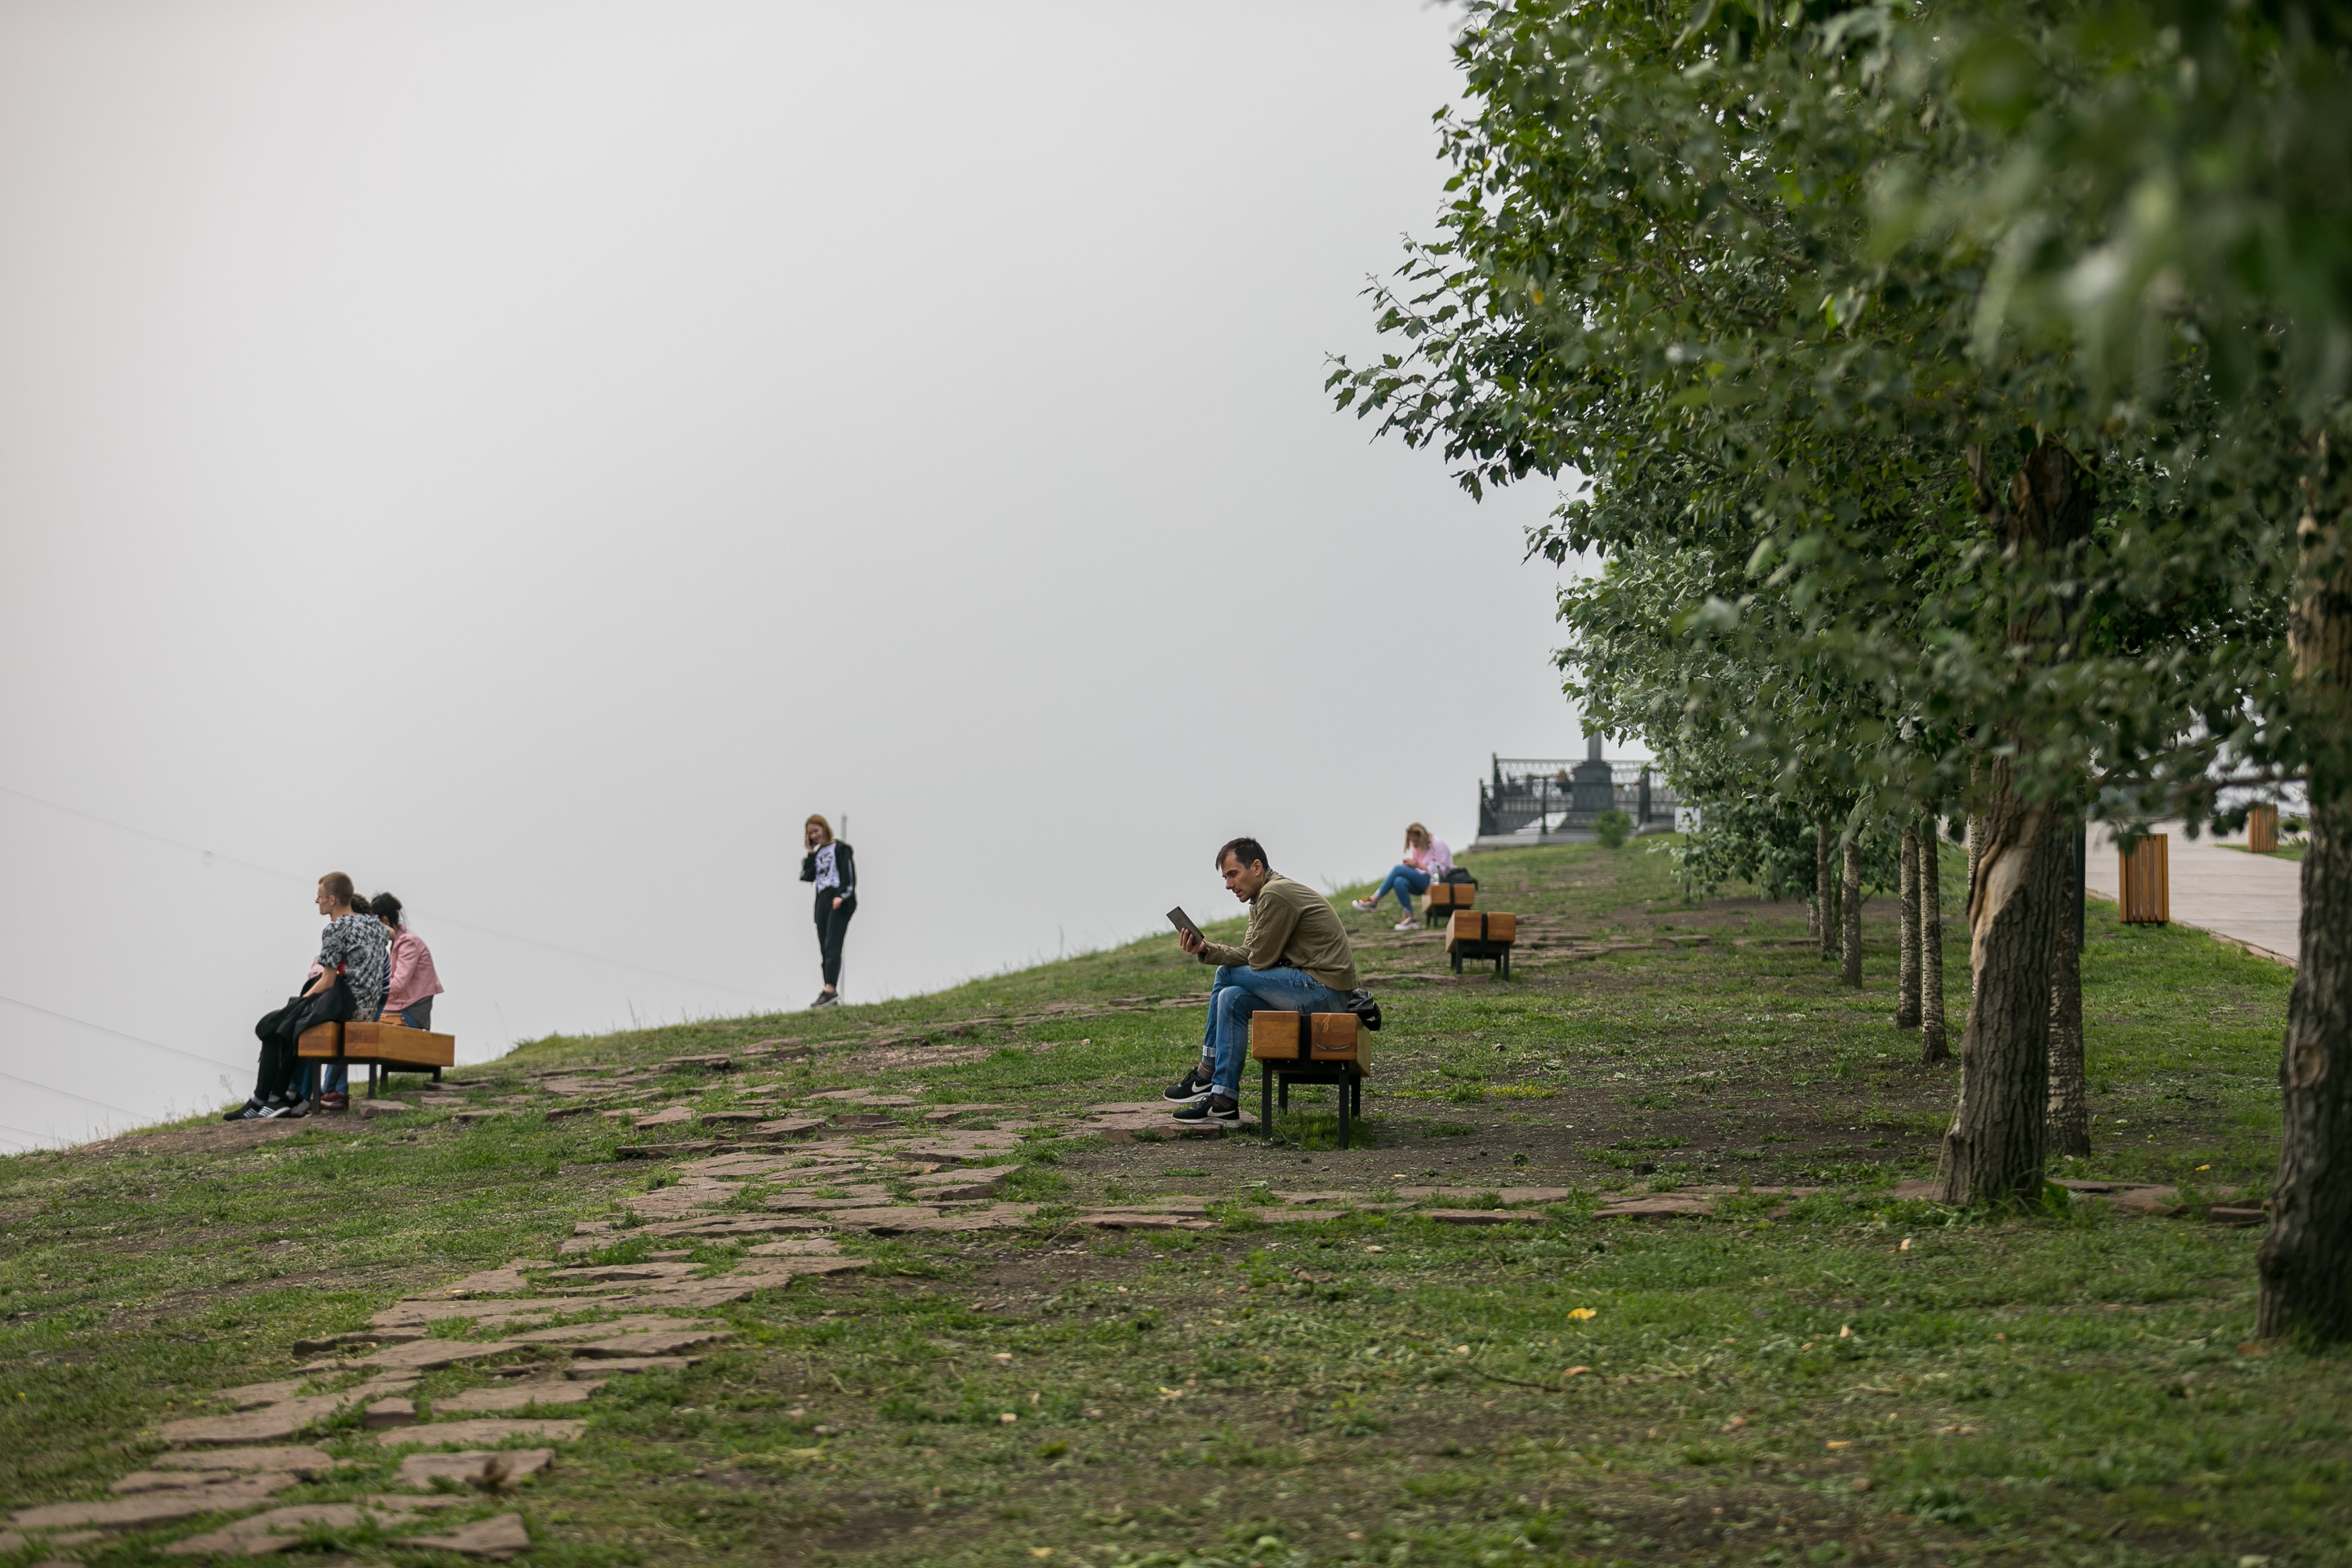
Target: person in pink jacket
[1426, 858]
[413, 983]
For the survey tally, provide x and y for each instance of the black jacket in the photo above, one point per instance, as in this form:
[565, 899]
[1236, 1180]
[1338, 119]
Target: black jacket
[844, 865]
[333, 1006]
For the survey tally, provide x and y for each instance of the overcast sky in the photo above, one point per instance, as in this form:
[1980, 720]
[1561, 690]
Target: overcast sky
[529, 456]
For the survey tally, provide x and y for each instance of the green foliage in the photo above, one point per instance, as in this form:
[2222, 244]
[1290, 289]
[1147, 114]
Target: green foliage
[1673, 265]
[1611, 828]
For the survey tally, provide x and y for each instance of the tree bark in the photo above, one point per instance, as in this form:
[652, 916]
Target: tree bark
[1849, 911]
[1825, 893]
[1906, 963]
[1932, 1045]
[2306, 1261]
[2070, 1096]
[1997, 1143]
[1996, 1148]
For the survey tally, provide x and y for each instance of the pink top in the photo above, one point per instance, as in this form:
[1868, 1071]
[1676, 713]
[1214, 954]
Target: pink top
[412, 979]
[1437, 860]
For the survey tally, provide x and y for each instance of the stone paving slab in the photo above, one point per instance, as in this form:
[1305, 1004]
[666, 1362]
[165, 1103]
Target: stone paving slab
[516, 1397]
[472, 1468]
[1141, 1222]
[138, 1482]
[272, 1424]
[153, 1508]
[620, 1364]
[424, 1355]
[441, 1434]
[733, 1225]
[632, 1323]
[1666, 1206]
[634, 1345]
[1472, 1194]
[1480, 1216]
[283, 1529]
[797, 1246]
[784, 1270]
[294, 1461]
[606, 1272]
[495, 1538]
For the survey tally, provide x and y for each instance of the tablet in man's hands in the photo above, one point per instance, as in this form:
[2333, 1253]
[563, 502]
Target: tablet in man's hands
[1182, 921]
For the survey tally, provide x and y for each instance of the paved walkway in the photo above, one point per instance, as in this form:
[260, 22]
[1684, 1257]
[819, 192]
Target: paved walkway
[2255, 901]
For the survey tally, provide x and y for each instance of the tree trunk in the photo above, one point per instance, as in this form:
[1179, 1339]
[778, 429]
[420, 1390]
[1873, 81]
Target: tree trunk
[1906, 963]
[1849, 911]
[1825, 893]
[1997, 1143]
[1976, 831]
[1995, 1150]
[2070, 1097]
[1932, 1045]
[2305, 1262]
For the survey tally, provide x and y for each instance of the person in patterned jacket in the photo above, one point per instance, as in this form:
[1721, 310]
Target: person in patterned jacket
[354, 949]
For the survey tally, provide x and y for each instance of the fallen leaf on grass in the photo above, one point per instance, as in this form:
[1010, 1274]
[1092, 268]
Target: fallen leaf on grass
[1583, 1314]
[1576, 1371]
[1837, 1443]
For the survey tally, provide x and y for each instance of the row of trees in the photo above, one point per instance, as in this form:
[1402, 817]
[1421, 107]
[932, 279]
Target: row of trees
[1959, 398]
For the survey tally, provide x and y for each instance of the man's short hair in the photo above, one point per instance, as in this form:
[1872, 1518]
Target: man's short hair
[1248, 851]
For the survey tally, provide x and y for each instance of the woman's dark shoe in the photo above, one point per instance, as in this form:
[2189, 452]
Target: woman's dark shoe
[1216, 1108]
[242, 1112]
[826, 999]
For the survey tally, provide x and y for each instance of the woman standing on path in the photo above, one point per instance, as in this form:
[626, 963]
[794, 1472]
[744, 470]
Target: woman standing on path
[1425, 858]
[833, 868]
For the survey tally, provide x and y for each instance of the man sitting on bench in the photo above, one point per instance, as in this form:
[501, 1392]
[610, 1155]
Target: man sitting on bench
[1295, 955]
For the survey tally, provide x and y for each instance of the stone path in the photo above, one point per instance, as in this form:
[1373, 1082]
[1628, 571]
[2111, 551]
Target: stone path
[557, 1335]
[2254, 900]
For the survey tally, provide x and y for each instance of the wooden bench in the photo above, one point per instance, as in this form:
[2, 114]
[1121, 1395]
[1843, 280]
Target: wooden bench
[383, 1048]
[1335, 1052]
[1484, 936]
[1445, 897]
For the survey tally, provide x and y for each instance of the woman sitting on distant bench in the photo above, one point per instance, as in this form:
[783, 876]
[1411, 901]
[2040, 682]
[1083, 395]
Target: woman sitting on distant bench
[1426, 859]
[409, 999]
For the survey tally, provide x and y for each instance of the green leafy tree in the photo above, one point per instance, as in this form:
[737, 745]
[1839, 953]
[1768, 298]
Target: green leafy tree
[1666, 266]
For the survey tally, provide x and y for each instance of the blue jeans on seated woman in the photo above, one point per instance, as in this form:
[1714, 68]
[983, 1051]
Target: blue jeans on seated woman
[1238, 991]
[1404, 882]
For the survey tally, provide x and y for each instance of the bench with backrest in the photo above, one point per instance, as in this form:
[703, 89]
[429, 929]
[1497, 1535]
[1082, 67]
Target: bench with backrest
[1445, 897]
[383, 1047]
[1309, 1048]
[1487, 936]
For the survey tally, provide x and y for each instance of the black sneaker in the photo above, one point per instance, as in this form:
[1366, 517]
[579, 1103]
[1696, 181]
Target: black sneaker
[826, 999]
[1193, 1085]
[242, 1112]
[276, 1107]
[1210, 1108]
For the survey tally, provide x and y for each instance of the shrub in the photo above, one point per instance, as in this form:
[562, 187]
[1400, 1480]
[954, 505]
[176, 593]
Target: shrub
[1611, 826]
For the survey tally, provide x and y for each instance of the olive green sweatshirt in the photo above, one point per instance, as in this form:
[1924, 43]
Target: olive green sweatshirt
[1292, 926]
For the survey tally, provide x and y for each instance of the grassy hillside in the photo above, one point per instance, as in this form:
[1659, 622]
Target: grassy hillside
[1819, 1376]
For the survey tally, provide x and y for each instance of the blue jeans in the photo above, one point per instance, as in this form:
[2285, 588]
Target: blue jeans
[1238, 991]
[1404, 882]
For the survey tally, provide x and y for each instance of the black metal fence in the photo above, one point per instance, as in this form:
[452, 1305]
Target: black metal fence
[1547, 797]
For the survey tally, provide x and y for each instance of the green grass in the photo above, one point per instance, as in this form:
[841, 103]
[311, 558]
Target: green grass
[1783, 1382]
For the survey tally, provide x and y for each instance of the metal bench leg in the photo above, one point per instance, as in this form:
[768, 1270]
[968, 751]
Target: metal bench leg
[1506, 964]
[1282, 1091]
[1343, 1113]
[1265, 1098]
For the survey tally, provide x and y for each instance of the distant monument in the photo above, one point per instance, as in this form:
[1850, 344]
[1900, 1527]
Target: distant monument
[1547, 800]
[1595, 788]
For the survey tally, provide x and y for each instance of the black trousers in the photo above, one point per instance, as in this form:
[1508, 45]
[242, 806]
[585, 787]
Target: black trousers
[832, 925]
